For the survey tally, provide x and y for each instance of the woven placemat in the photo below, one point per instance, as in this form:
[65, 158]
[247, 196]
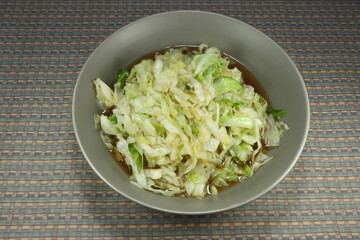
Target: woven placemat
[47, 189]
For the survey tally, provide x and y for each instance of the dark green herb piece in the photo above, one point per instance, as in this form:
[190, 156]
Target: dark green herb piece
[121, 77]
[277, 114]
[113, 118]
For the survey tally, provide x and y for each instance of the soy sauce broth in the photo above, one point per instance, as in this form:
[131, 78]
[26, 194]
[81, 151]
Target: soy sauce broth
[248, 77]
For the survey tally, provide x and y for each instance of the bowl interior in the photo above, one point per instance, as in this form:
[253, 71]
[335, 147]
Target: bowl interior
[265, 59]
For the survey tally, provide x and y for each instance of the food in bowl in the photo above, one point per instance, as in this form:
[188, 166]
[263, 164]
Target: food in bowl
[273, 68]
[185, 123]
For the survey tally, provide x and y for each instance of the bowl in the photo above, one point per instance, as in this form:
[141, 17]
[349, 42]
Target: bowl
[272, 67]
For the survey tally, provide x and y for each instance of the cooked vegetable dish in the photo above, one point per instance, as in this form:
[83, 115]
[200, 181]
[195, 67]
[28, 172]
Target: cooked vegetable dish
[186, 124]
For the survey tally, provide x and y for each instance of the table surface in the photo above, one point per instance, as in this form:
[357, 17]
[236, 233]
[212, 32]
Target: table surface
[47, 189]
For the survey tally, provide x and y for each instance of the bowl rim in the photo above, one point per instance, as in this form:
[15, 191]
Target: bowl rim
[232, 206]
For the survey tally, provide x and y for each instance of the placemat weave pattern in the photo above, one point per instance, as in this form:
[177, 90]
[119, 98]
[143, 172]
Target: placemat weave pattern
[47, 189]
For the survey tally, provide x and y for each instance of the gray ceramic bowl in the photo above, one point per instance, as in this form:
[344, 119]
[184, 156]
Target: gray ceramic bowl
[264, 58]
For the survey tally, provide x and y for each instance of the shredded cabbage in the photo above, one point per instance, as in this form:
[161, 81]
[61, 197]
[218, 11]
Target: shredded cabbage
[186, 124]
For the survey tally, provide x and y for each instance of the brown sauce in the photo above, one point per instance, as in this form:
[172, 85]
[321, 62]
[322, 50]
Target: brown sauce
[121, 161]
[107, 112]
[248, 77]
